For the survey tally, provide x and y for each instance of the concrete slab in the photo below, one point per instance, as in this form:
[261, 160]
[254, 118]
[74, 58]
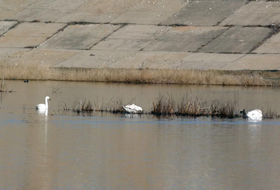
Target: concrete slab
[184, 39]
[57, 4]
[151, 60]
[95, 59]
[255, 62]
[47, 11]
[10, 7]
[136, 17]
[139, 32]
[5, 26]
[150, 12]
[268, 48]
[29, 34]
[4, 14]
[237, 40]
[46, 57]
[255, 14]
[272, 45]
[7, 55]
[207, 61]
[75, 16]
[122, 44]
[80, 37]
[132, 37]
[39, 15]
[204, 13]
[99, 11]
[124, 11]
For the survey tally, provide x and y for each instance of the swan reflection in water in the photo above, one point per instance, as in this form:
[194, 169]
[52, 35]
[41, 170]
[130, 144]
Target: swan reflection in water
[43, 112]
[43, 146]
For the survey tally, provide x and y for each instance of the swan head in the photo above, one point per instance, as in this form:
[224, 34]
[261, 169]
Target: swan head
[243, 112]
[47, 98]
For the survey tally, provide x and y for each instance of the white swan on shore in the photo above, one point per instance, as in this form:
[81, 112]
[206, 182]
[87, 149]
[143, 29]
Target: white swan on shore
[45, 106]
[253, 115]
[132, 108]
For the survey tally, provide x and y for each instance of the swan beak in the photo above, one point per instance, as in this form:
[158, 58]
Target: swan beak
[50, 99]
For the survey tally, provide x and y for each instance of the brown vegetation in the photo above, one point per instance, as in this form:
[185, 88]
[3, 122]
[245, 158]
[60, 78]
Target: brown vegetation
[85, 106]
[194, 107]
[82, 106]
[163, 106]
[151, 76]
[166, 106]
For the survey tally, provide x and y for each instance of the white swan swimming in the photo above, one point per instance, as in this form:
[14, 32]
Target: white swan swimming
[45, 106]
[132, 108]
[254, 115]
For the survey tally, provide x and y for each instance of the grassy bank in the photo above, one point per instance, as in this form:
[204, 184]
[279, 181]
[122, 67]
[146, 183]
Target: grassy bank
[149, 76]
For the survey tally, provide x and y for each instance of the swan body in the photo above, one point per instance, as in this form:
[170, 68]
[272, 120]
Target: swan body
[132, 108]
[253, 115]
[45, 106]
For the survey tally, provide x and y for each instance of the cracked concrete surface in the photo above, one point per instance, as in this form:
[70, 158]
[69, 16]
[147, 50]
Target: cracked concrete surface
[173, 34]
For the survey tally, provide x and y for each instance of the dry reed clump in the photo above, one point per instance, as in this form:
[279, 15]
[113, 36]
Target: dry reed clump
[116, 106]
[82, 106]
[151, 76]
[111, 106]
[269, 114]
[223, 110]
[193, 107]
[163, 106]
[190, 107]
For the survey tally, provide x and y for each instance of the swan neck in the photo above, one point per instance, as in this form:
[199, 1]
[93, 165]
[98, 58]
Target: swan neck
[46, 102]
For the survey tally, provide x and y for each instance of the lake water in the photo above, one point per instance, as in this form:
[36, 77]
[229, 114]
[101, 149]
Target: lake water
[65, 151]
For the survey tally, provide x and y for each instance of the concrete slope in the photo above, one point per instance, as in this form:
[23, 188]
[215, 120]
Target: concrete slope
[158, 34]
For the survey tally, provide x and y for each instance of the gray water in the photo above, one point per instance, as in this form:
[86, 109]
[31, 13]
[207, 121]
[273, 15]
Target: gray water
[63, 150]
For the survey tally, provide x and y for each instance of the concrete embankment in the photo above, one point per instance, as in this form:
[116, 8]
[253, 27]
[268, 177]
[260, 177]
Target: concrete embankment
[159, 34]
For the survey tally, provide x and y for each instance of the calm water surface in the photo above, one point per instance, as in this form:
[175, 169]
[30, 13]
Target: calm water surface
[106, 151]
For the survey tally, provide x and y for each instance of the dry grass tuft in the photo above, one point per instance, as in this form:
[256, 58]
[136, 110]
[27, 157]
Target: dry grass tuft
[82, 106]
[190, 107]
[223, 110]
[269, 114]
[111, 106]
[163, 106]
[194, 107]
